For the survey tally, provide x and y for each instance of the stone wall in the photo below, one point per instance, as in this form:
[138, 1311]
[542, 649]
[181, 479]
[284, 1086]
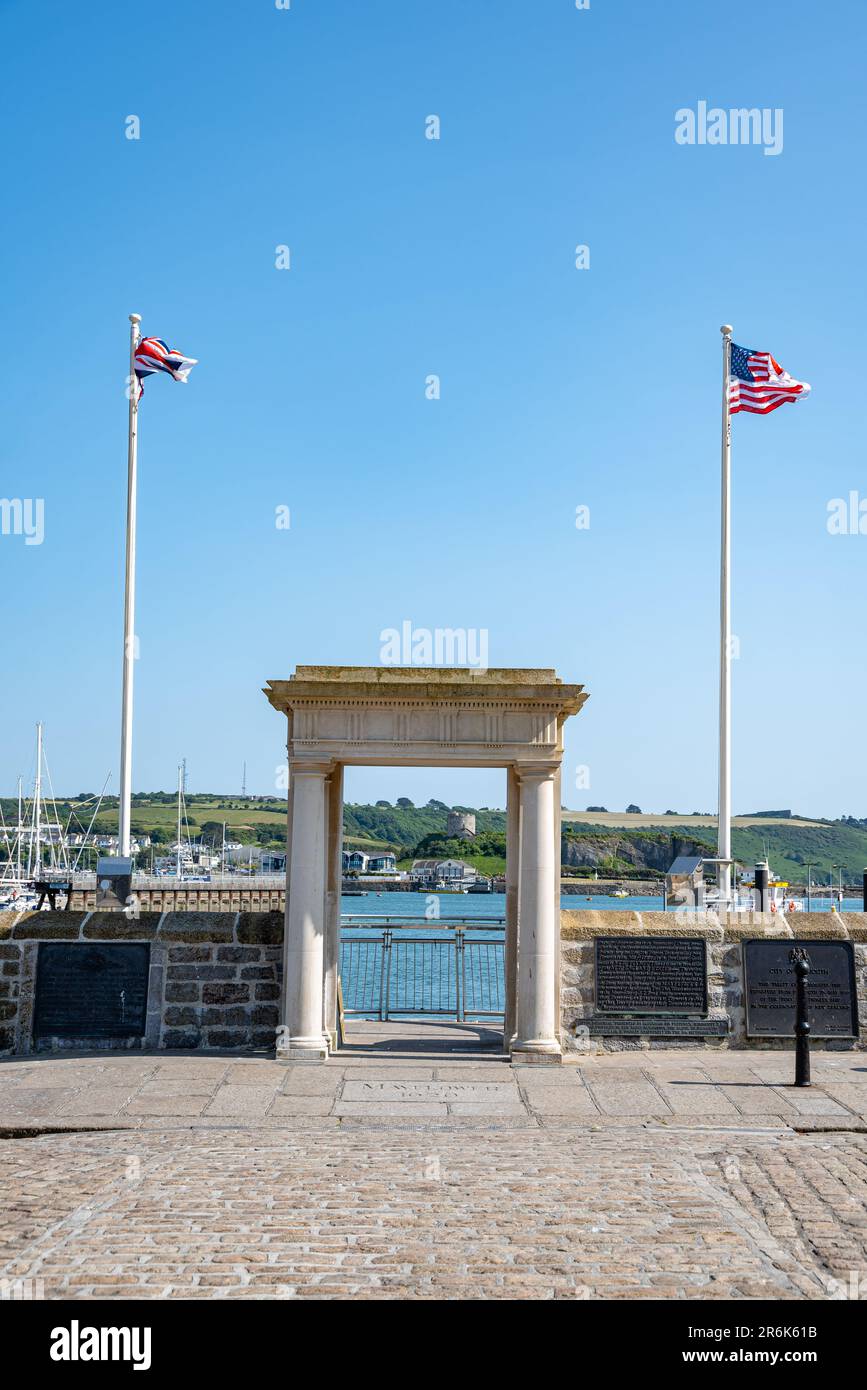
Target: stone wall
[215, 978]
[725, 983]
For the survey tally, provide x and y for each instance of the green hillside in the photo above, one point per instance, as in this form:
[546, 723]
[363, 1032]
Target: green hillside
[633, 842]
[788, 847]
[789, 850]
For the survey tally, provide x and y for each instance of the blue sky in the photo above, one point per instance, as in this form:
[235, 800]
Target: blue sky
[305, 127]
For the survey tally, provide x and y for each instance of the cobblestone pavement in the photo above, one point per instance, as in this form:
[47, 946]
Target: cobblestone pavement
[684, 1175]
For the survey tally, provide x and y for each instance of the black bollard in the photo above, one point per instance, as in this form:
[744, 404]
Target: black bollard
[801, 961]
[762, 879]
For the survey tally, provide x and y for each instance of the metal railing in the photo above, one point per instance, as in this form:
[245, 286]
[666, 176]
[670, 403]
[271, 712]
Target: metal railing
[387, 973]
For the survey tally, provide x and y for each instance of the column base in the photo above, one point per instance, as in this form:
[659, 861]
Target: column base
[302, 1050]
[536, 1052]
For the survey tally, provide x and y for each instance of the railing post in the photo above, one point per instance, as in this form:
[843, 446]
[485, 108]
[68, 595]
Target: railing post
[460, 982]
[385, 993]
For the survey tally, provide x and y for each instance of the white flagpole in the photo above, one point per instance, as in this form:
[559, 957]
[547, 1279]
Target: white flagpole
[724, 833]
[129, 601]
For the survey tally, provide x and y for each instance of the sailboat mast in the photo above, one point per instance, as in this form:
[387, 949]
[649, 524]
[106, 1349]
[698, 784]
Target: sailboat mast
[20, 828]
[180, 793]
[36, 833]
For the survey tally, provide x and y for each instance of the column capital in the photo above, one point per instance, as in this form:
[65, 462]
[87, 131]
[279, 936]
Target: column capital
[311, 767]
[536, 772]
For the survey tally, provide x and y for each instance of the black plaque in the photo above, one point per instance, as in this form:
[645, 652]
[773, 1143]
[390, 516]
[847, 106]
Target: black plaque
[91, 990]
[769, 986]
[651, 975]
[668, 1026]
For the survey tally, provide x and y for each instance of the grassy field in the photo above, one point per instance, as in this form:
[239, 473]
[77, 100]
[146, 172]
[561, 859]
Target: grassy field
[487, 864]
[620, 820]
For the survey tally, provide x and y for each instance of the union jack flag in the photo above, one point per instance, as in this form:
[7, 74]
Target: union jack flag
[759, 384]
[155, 355]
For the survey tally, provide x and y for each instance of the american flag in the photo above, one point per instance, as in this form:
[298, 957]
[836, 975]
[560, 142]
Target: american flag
[155, 355]
[759, 384]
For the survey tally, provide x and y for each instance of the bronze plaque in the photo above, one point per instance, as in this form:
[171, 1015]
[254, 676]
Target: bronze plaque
[651, 975]
[769, 986]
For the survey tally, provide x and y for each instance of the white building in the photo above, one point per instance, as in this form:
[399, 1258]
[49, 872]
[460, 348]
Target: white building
[430, 872]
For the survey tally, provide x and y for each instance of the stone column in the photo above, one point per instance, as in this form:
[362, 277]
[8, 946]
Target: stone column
[510, 963]
[302, 1037]
[558, 875]
[536, 1025]
[333, 884]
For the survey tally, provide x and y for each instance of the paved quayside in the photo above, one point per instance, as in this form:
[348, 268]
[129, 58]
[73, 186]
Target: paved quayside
[408, 1167]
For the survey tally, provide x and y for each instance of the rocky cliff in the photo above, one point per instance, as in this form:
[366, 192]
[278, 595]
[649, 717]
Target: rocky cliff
[634, 849]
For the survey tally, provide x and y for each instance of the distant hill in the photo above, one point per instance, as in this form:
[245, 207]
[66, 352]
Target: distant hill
[590, 838]
[789, 845]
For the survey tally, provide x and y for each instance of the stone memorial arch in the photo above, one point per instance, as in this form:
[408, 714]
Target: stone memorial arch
[422, 717]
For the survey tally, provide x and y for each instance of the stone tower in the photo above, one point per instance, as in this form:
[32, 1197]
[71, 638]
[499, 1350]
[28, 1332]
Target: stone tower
[462, 825]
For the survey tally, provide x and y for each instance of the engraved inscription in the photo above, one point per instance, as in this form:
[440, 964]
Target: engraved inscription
[769, 981]
[654, 975]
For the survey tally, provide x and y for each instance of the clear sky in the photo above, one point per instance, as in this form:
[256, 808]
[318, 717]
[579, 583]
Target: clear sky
[263, 127]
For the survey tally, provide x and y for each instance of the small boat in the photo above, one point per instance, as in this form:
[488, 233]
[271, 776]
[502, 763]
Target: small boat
[620, 893]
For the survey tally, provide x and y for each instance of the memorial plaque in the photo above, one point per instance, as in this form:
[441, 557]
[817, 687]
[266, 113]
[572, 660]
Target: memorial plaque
[667, 1026]
[91, 990]
[651, 975]
[769, 986]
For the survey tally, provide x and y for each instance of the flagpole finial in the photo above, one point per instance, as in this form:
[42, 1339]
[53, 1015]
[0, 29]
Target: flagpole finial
[727, 330]
[135, 318]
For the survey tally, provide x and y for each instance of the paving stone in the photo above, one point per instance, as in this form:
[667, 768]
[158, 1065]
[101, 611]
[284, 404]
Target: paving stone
[33, 1101]
[108, 1100]
[178, 1068]
[537, 1077]
[499, 1108]
[556, 1100]
[257, 1073]
[854, 1097]
[247, 1101]
[476, 1071]
[393, 1072]
[194, 1085]
[809, 1102]
[758, 1100]
[311, 1081]
[176, 1103]
[695, 1097]
[301, 1105]
[362, 1108]
[616, 1097]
